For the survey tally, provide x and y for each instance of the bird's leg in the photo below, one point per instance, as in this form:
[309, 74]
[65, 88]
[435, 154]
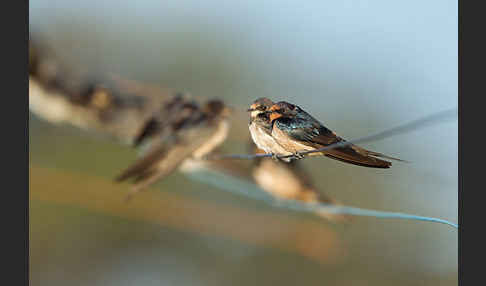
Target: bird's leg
[298, 155]
[274, 157]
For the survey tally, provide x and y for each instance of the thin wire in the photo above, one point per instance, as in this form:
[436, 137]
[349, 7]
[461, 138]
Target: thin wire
[242, 187]
[413, 125]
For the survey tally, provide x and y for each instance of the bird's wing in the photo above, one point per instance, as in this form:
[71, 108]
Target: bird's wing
[163, 158]
[171, 112]
[307, 131]
[314, 134]
[148, 130]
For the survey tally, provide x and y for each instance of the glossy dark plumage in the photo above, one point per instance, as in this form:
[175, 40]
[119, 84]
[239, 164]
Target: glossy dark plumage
[298, 131]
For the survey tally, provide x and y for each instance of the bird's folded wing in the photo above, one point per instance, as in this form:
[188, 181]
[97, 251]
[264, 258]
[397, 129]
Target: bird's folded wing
[314, 134]
[163, 159]
[171, 113]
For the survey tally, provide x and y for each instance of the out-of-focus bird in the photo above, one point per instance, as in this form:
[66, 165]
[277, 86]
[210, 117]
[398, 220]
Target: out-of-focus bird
[296, 131]
[179, 107]
[107, 105]
[183, 130]
[261, 128]
[289, 181]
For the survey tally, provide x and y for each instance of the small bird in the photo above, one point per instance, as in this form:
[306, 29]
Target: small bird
[261, 128]
[289, 181]
[296, 131]
[190, 132]
[176, 108]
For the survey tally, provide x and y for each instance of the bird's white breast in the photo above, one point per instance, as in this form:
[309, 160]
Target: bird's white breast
[265, 141]
[214, 141]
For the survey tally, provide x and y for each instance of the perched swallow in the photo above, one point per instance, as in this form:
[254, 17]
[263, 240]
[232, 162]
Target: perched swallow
[289, 181]
[190, 133]
[261, 128]
[296, 131]
[179, 107]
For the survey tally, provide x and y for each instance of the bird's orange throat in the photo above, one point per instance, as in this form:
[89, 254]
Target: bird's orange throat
[274, 115]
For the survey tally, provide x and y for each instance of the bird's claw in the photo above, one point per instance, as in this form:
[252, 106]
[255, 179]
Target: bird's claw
[275, 157]
[298, 155]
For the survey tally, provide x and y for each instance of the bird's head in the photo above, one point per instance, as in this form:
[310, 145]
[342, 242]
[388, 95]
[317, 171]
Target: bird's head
[216, 107]
[260, 107]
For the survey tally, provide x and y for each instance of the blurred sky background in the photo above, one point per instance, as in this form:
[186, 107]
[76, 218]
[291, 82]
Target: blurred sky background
[358, 66]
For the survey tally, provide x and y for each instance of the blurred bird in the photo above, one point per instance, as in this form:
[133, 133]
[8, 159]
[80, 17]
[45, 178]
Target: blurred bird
[183, 130]
[288, 181]
[261, 128]
[105, 105]
[179, 107]
[296, 131]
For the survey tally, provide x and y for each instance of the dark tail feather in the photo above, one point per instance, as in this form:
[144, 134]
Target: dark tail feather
[149, 129]
[385, 156]
[350, 156]
[140, 168]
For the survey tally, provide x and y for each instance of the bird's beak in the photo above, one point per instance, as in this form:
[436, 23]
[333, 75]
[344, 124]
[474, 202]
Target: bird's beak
[251, 109]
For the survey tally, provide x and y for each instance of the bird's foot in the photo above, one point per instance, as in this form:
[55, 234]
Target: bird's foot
[298, 155]
[275, 157]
